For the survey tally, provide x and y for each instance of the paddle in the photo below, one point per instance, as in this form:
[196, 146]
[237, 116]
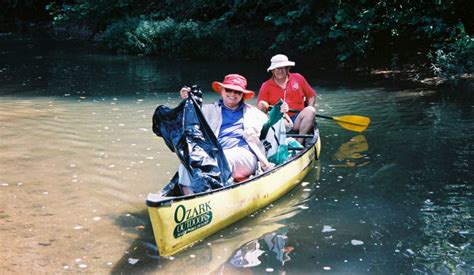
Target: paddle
[353, 122]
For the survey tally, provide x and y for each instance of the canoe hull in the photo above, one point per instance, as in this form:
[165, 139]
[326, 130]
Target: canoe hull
[181, 222]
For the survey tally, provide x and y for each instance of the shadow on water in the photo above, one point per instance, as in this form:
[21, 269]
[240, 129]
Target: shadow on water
[142, 248]
[259, 237]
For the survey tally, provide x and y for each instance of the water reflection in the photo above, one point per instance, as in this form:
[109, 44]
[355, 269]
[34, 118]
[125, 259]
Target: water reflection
[238, 247]
[272, 244]
[247, 255]
[352, 152]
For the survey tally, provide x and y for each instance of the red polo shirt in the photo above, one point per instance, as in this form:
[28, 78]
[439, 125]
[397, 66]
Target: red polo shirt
[297, 91]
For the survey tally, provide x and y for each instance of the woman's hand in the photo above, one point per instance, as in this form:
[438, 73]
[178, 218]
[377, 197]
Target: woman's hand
[184, 92]
[284, 108]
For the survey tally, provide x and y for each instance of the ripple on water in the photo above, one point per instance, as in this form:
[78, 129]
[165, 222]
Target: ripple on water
[445, 231]
[76, 135]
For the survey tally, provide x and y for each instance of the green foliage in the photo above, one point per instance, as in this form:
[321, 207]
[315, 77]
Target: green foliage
[167, 37]
[454, 60]
[94, 14]
[346, 33]
[360, 31]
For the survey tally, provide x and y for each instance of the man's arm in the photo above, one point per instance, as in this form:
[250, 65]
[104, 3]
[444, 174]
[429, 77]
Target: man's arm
[311, 101]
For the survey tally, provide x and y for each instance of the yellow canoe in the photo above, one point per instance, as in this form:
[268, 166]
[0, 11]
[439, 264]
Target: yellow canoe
[180, 221]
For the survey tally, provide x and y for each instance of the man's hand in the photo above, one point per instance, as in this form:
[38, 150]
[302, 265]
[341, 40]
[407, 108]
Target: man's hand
[284, 108]
[263, 106]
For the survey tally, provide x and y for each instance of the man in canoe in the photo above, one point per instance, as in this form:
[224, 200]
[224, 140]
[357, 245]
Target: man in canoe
[297, 95]
[237, 126]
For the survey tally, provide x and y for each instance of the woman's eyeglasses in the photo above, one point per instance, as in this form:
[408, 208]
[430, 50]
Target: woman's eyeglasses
[233, 91]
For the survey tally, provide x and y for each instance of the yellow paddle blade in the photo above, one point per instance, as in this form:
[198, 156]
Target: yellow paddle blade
[353, 122]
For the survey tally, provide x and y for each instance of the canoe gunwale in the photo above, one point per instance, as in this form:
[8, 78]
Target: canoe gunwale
[162, 201]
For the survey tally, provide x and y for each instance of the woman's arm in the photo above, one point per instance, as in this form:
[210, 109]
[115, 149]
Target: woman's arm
[184, 92]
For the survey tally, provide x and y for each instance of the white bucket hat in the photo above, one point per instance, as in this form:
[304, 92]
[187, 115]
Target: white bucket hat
[279, 60]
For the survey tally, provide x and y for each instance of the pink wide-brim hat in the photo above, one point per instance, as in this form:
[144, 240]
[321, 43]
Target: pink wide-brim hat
[234, 82]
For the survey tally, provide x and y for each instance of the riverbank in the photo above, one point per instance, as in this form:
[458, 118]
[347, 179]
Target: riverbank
[464, 88]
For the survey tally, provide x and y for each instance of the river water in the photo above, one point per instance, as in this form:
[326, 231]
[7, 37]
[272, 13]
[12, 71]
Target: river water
[78, 157]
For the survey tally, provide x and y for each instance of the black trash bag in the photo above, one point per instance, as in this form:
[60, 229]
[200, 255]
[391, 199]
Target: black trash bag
[187, 133]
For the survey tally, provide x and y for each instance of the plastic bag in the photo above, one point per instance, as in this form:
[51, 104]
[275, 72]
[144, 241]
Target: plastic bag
[186, 132]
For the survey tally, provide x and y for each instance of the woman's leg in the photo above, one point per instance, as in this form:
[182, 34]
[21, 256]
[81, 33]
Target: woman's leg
[242, 162]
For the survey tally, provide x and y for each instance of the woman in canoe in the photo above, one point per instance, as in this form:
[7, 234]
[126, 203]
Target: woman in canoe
[237, 126]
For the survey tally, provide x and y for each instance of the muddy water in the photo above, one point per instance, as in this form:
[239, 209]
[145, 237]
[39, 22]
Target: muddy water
[78, 157]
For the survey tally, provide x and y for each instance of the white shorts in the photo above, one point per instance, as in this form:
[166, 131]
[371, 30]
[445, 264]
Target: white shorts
[242, 162]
